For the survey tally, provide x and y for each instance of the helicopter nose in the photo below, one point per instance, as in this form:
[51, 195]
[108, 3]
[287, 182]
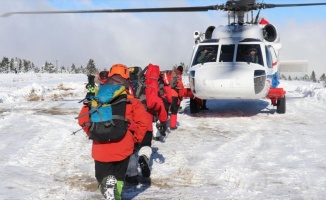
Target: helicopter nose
[229, 82]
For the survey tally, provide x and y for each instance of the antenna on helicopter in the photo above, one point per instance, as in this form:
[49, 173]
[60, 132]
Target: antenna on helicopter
[257, 16]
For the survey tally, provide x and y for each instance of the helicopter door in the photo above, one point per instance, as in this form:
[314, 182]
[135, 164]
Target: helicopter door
[227, 52]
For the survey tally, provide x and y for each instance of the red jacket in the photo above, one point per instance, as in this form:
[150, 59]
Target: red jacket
[119, 150]
[153, 100]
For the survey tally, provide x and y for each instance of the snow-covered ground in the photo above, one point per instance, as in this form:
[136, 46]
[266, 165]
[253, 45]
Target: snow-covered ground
[236, 150]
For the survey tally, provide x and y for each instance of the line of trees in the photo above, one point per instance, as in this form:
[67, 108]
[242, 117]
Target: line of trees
[312, 77]
[17, 65]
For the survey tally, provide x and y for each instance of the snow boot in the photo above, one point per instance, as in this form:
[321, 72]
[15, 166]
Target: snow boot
[118, 194]
[108, 187]
[133, 180]
[144, 166]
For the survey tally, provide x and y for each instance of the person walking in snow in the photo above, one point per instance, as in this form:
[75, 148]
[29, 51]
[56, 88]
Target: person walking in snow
[144, 150]
[112, 158]
[177, 95]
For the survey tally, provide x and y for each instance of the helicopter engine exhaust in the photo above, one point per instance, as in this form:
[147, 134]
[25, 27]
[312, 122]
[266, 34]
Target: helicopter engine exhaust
[209, 32]
[270, 33]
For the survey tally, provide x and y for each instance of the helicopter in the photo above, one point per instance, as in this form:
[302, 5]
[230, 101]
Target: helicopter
[221, 66]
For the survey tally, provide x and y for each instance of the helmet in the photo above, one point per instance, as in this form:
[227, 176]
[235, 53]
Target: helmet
[119, 69]
[180, 68]
[103, 76]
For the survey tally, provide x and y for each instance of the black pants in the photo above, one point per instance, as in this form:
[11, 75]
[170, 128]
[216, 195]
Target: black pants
[147, 141]
[118, 169]
[175, 105]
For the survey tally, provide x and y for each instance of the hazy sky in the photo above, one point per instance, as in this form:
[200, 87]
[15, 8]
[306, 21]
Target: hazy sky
[165, 39]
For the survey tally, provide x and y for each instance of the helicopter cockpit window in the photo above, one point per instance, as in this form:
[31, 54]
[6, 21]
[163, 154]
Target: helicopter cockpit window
[205, 54]
[249, 53]
[227, 52]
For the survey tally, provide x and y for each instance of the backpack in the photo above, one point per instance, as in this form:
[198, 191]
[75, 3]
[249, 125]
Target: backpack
[147, 89]
[137, 80]
[166, 77]
[173, 79]
[107, 113]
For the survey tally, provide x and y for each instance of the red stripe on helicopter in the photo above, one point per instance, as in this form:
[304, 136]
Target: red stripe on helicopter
[263, 21]
[274, 64]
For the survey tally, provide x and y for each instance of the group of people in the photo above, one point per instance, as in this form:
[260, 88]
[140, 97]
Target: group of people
[117, 161]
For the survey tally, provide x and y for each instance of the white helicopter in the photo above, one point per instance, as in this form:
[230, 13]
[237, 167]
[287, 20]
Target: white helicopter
[221, 67]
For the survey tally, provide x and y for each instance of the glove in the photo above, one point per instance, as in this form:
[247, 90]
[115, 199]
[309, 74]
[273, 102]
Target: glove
[161, 127]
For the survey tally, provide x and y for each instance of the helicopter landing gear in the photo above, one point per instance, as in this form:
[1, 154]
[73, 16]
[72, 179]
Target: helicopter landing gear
[281, 105]
[277, 96]
[194, 105]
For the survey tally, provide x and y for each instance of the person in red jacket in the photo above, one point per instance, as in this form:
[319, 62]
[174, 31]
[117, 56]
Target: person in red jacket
[166, 78]
[112, 158]
[144, 150]
[177, 95]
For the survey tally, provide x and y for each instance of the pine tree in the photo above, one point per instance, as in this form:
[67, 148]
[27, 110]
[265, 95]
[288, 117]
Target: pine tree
[45, 67]
[12, 65]
[81, 70]
[313, 77]
[323, 77]
[283, 77]
[52, 69]
[4, 65]
[20, 65]
[26, 66]
[306, 77]
[73, 69]
[90, 68]
[36, 69]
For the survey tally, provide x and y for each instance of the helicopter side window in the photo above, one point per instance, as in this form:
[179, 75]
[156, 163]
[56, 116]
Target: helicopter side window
[269, 58]
[204, 54]
[227, 52]
[273, 54]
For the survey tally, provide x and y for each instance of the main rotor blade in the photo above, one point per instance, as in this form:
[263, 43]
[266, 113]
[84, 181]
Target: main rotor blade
[289, 5]
[231, 5]
[132, 10]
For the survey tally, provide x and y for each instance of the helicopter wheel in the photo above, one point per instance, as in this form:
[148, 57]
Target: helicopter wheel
[194, 106]
[281, 105]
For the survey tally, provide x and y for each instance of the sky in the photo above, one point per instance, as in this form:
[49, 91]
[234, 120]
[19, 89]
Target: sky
[238, 149]
[165, 39]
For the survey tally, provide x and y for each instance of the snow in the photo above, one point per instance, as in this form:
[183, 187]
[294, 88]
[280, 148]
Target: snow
[239, 149]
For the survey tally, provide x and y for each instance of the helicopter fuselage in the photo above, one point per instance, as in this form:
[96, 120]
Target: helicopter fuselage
[231, 71]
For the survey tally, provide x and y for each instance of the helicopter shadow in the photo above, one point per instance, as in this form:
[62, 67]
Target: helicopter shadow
[131, 191]
[232, 108]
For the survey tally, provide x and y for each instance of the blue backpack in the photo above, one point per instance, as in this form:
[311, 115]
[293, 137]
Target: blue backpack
[107, 113]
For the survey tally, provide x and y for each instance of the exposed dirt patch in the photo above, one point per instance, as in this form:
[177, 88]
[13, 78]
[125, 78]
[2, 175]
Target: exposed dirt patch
[32, 96]
[57, 97]
[57, 111]
[86, 182]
